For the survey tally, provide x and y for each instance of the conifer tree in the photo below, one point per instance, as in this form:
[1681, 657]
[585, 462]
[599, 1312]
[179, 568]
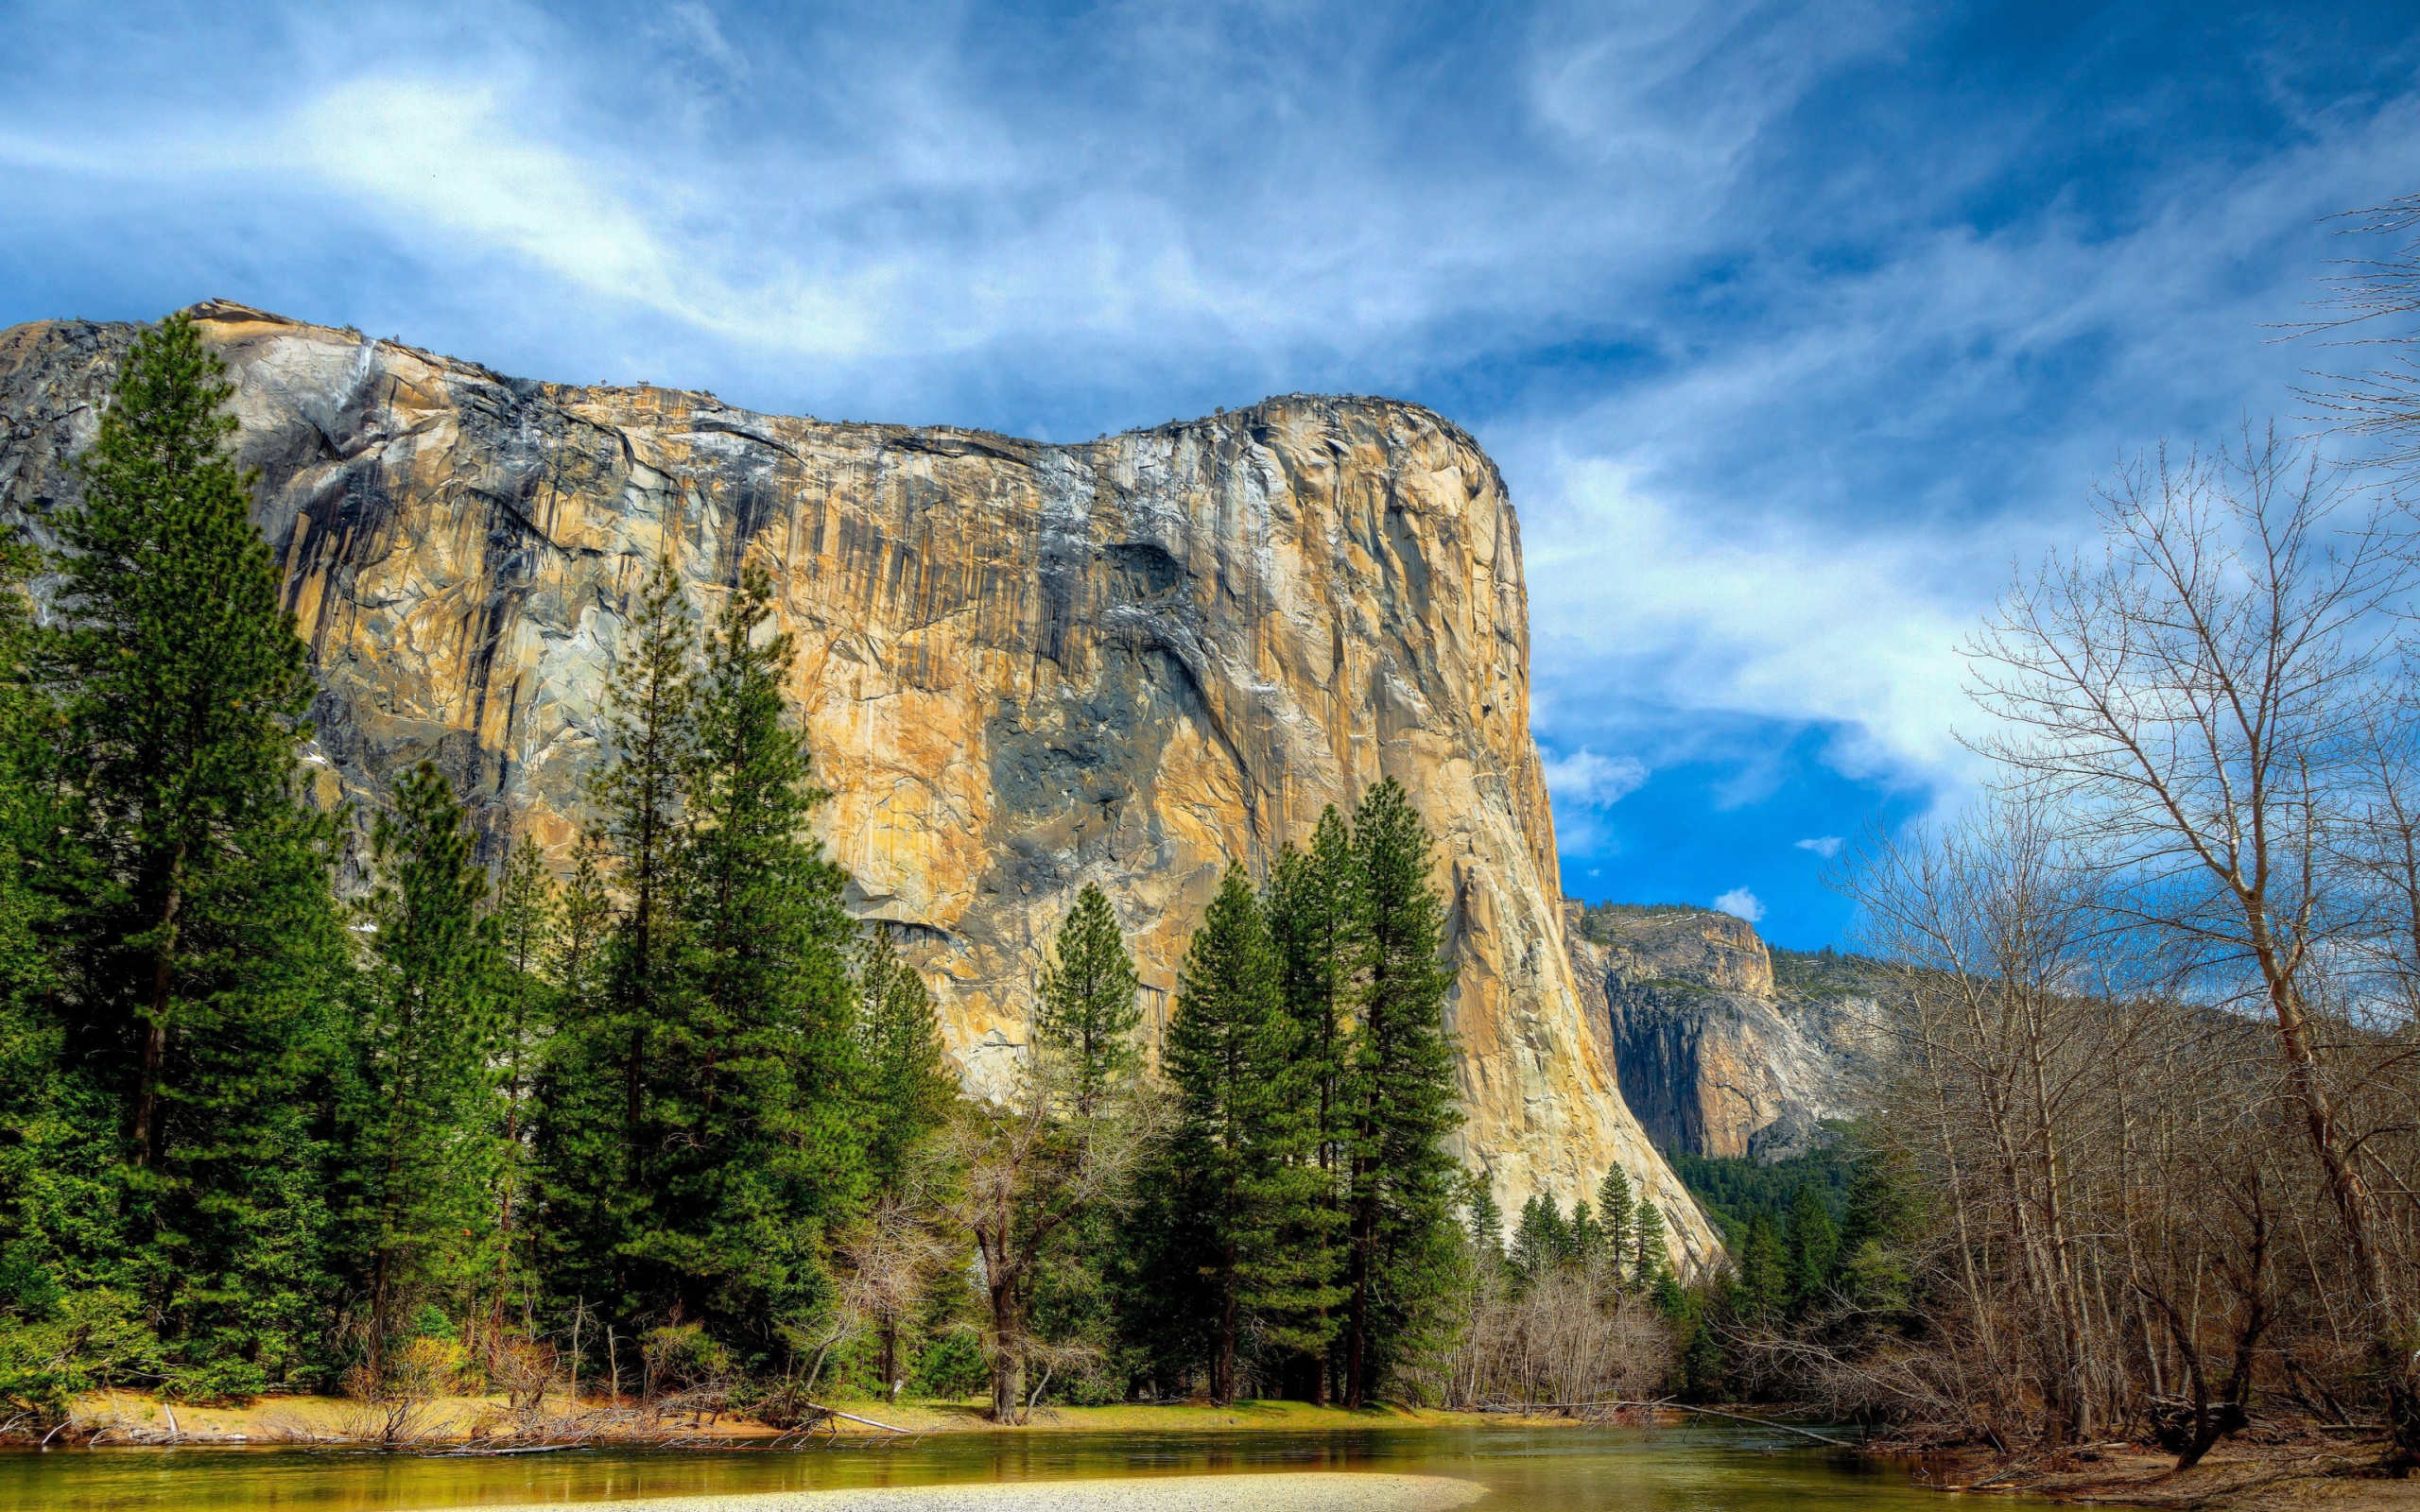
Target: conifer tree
[419, 1120]
[1614, 1215]
[1647, 1245]
[1587, 1239]
[209, 941]
[1486, 1222]
[600, 1129]
[908, 1089]
[525, 916]
[1088, 1014]
[1400, 1089]
[1533, 1240]
[756, 1083]
[1318, 921]
[1242, 1131]
[1764, 1270]
[907, 1093]
[1814, 1247]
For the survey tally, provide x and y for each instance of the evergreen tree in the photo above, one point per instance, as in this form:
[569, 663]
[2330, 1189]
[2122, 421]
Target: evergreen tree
[418, 1119]
[61, 1139]
[1318, 920]
[1814, 1247]
[1486, 1222]
[597, 1126]
[208, 942]
[1764, 1270]
[1614, 1217]
[1242, 1132]
[1534, 1238]
[908, 1088]
[1401, 1094]
[526, 919]
[1088, 1013]
[1647, 1245]
[755, 1084]
[1587, 1240]
[1885, 1210]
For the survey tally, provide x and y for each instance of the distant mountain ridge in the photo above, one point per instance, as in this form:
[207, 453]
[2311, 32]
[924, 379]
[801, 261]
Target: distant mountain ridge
[1722, 1045]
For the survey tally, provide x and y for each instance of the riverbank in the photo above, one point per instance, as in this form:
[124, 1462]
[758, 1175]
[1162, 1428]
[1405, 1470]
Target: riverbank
[492, 1424]
[1326, 1491]
[2236, 1477]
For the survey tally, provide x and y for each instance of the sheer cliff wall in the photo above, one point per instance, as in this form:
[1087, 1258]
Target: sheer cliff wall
[1713, 1053]
[1023, 666]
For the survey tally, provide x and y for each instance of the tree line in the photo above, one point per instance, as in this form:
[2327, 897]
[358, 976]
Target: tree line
[2156, 994]
[669, 1120]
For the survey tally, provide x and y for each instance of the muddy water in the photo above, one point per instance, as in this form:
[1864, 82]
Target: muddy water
[1552, 1469]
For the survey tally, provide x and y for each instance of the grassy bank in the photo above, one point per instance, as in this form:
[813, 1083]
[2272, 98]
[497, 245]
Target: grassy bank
[131, 1417]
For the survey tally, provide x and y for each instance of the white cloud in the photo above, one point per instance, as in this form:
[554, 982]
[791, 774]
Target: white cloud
[1827, 845]
[1586, 779]
[1583, 787]
[1741, 904]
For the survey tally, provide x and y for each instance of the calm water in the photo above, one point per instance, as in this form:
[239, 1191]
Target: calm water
[1567, 1469]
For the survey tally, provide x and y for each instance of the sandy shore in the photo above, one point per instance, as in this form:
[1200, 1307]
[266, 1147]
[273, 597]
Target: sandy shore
[1332, 1491]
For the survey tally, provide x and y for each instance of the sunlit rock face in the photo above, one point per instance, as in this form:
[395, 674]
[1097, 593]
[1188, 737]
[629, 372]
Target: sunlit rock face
[1713, 1054]
[1024, 667]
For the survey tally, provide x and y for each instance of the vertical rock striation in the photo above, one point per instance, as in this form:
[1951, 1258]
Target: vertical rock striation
[1023, 667]
[1714, 1057]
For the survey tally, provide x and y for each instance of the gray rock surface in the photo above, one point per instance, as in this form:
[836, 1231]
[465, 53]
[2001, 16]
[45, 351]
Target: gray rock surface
[1714, 1057]
[1023, 667]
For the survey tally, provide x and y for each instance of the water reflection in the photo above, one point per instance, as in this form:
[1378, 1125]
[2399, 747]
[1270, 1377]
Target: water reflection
[1554, 1470]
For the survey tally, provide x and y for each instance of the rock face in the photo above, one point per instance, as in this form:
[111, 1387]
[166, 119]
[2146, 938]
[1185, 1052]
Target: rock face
[1023, 667]
[1713, 1056]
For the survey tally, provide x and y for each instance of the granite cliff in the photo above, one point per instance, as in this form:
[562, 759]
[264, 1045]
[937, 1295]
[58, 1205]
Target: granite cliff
[1715, 1056]
[1024, 666]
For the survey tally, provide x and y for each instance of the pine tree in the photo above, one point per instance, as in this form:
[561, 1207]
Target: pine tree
[908, 1088]
[1533, 1239]
[417, 1118]
[1486, 1222]
[526, 915]
[650, 732]
[757, 1081]
[1318, 921]
[1650, 1262]
[598, 1128]
[1088, 1014]
[1764, 1270]
[1587, 1240]
[208, 939]
[907, 1093]
[1242, 1131]
[1401, 1094]
[1814, 1247]
[1614, 1217]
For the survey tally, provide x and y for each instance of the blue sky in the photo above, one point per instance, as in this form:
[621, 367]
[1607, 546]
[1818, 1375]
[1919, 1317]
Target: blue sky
[1792, 326]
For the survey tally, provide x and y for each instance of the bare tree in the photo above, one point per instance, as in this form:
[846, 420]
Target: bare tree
[2199, 699]
[1030, 1173]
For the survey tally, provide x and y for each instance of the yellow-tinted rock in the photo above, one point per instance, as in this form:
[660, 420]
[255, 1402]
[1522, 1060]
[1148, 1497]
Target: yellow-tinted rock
[1023, 667]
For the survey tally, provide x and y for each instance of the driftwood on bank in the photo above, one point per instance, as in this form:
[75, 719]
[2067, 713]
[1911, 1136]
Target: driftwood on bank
[1663, 1404]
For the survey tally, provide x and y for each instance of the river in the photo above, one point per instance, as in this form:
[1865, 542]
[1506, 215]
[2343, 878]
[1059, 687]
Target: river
[1526, 1469]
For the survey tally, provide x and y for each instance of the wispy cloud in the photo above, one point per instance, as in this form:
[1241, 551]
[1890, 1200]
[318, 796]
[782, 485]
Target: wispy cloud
[1827, 845]
[1791, 324]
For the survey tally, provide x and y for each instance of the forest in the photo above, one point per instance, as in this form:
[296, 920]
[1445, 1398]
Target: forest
[304, 1100]
[293, 1099]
